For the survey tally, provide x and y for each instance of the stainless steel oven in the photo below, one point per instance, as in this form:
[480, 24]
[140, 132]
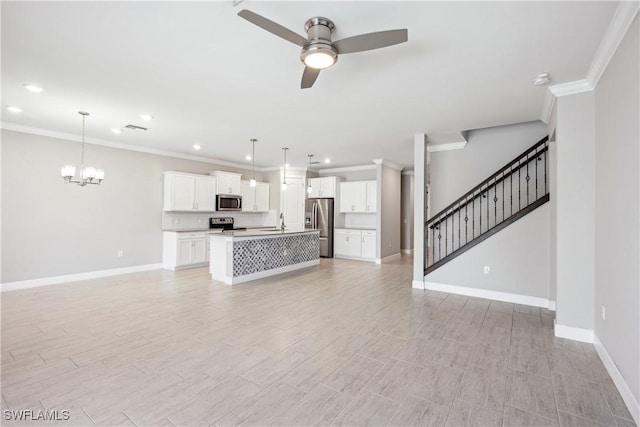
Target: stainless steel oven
[227, 202]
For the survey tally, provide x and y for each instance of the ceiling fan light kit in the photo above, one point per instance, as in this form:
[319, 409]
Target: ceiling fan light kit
[318, 51]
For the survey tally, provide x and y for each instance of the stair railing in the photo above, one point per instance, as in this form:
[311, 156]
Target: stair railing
[507, 195]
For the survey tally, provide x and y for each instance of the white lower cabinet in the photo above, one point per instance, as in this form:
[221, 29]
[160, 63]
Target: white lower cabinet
[355, 244]
[184, 249]
[368, 244]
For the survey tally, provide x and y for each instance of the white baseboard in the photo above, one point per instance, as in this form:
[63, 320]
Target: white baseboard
[573, 333]
[487, 294]
[417, 284]
[406, 251]
[388, 258]
[45, 281]
[355, 258]
[552, 305]
[618, 380]
[267, 273]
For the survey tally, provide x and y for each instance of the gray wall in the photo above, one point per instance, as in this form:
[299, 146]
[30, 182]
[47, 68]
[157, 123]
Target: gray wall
[517, 255]
[53, 229]
[574, 204]
[617, 209]
[388, 211]
[406, 212]
[453, 173]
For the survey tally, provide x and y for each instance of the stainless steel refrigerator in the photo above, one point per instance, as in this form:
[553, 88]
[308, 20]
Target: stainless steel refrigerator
[318, 213]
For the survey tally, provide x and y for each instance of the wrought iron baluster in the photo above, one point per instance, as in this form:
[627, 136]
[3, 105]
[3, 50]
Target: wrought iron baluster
[466, 221]
[502, 195]
[439, 243]
[473, 217]
[480, 212]
[511, 188]
[488, 216]
[446, 235]
[527, 179]
[545, 168]
[433, 242]
[459, 209]
[536, 163]
[495, 203]
[519, 184]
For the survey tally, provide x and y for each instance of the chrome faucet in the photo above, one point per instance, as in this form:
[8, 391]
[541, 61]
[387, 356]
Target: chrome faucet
[282, 226]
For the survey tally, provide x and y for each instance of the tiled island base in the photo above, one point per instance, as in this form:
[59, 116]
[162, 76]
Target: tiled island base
[247, 255]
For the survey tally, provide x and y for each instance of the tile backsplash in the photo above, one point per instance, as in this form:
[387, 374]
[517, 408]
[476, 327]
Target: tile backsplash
[197, 221]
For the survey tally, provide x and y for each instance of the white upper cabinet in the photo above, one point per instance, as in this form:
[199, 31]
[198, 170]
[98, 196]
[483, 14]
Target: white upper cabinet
[228, 182]
[205, 193]
[323, 187]
[358, 196]
[353, 196]
[189, 192]
[372, 196]
[255, 199]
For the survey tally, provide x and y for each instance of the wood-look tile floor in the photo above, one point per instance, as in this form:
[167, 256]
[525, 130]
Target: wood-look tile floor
[347, 343]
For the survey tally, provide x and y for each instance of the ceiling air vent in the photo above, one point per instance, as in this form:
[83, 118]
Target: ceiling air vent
[134, 127]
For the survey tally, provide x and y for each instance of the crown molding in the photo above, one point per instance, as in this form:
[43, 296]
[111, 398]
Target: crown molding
[618, 27]
[547, 107]
[570, 88]
[106, 143]
[347, 169]
[406, 172]
[620, 23]
[388, 163]
[446, 147]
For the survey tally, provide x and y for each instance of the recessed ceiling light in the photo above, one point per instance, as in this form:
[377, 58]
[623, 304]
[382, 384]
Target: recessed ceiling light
[32, 88]
[116, 130]
[146, 117]
[248, 157]
[196, 146]
[542, 79]
[327, 160]
[14, 109]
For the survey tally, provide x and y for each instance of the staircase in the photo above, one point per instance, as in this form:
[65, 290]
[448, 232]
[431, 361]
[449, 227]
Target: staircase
[506, 196]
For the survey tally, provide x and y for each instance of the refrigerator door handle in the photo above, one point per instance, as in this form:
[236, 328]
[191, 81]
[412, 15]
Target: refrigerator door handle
[315, 215]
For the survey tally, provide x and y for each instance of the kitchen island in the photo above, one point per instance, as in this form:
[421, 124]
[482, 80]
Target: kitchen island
[241, 256]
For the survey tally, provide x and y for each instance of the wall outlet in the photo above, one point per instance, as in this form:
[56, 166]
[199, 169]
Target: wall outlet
[487, 269]
[604, 312]
[120, 253]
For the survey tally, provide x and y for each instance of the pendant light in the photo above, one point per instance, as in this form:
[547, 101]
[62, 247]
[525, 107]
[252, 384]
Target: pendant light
[309, 189]
[87, 175]
[252, 182]
[284, 170]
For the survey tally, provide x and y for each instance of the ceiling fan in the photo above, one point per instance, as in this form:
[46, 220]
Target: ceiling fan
[318, 51]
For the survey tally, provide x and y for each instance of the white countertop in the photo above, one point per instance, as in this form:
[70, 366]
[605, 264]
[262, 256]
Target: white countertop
[264, 232]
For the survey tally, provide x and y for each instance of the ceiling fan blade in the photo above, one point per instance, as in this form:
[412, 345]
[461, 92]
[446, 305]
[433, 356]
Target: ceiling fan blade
[309, 77]
[273, 27]
[371, 41]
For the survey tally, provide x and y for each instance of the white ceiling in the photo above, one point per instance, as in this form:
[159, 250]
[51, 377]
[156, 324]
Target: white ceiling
[210, 77]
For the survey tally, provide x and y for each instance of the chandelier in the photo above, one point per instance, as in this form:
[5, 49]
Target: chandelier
[87, 175]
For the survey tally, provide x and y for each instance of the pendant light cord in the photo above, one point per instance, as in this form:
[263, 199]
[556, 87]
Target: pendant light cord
[81, 174]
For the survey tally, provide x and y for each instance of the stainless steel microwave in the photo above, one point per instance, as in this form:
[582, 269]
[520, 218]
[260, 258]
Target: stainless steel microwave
[226, 202]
